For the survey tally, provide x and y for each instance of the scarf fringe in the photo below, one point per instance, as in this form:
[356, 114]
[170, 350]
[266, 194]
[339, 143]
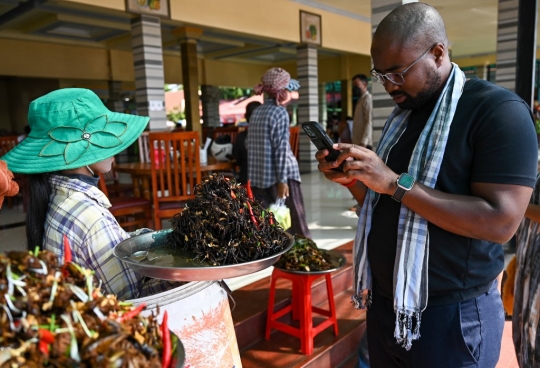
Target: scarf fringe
[361, 301]
[403, 332]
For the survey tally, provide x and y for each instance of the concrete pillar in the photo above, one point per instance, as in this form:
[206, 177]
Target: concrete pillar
[346, 99]
[308, 109]
[323, 112]
[526, 51]
[507, 43]
[187, 37]
[210, 105]
[346, 88]
[149, 76]
[382, 102]
[115, 102]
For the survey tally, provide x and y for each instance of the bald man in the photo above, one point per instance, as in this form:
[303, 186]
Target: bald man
[448, 184]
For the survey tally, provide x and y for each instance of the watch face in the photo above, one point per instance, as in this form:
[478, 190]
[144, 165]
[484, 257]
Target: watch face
[406, 181]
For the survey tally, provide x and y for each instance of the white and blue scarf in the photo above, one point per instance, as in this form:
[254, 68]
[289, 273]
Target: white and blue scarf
[411, 262]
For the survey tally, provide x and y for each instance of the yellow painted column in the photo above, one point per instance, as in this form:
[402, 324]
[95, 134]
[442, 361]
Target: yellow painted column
[346, 88]
[187, 37]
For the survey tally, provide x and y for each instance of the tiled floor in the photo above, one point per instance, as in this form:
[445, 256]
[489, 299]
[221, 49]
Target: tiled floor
[507, 358]
[328, 217]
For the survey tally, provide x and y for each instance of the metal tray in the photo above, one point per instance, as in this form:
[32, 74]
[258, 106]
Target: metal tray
[180, 357]
[193, 271]
[337, 259]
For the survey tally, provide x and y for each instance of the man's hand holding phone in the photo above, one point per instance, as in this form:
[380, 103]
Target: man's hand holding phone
[328, 168]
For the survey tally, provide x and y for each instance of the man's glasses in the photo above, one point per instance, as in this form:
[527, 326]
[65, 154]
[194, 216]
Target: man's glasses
[396, 78]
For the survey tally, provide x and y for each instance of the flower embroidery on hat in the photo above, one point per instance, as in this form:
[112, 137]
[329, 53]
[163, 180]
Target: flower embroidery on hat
[73, 142]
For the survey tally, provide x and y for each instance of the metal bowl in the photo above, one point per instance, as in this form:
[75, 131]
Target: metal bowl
[337, 259]
[131, 251]
[180, 355]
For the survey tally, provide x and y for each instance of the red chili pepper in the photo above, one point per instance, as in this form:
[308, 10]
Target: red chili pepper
[252, 215]
[166, 358]
[45, 339]
[132, 313]
[248, 188]
[233, 195]
[67, 250]
[271, 220]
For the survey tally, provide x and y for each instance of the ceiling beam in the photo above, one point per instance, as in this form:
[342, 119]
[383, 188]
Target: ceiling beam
[223, 41]
[259, 52]
[94, 21]
[231, 51]
[21, 12]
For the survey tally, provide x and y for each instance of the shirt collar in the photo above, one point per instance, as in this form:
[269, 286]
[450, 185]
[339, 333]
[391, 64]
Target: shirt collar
[77, 185]
[91, 180]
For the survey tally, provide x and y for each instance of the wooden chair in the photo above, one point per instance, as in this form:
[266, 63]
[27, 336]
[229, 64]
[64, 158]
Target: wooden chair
[130, 212]
[144, 148]
[7, 143]
[294, 140]
[176, 169]
[114, 187]
[231, 131]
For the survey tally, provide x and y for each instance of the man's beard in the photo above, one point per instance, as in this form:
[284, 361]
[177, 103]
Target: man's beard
[424, 97]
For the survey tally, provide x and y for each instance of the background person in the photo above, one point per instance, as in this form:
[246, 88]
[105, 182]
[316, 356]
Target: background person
[272, 168]
[74, 136]
[450, 182]
[240, 149]
[362, 132]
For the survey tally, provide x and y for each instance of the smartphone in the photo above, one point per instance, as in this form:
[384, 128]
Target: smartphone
[321, 140]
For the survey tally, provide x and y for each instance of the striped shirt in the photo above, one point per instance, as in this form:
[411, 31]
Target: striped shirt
[79, 210]
[270, 158]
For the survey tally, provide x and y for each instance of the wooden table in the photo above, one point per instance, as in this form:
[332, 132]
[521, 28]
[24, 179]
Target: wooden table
[141, 174]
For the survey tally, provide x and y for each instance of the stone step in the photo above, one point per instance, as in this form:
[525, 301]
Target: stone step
[284, 350]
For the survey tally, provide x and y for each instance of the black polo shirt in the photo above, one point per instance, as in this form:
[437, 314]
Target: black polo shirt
[492, 140]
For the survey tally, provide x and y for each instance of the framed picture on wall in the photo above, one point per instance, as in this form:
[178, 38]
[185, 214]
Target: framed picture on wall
[150, 7]
[310, 28]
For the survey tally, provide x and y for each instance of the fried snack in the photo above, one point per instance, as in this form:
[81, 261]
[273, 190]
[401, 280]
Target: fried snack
[53, 316]
[305, 256]
[223, 225]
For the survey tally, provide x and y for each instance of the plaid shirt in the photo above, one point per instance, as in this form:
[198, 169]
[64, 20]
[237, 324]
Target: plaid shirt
[270, 158]
[79, 210]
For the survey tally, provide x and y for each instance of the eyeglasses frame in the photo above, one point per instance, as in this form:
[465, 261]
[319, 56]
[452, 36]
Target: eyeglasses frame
[379, 77]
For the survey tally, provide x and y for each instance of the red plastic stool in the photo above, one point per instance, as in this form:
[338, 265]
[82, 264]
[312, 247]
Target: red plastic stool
[301, 308]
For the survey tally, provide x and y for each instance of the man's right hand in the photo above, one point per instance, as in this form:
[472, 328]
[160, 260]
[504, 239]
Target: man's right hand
[327, 168]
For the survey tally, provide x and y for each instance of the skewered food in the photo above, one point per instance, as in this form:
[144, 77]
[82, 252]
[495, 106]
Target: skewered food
[53, 316]
[223, 225]
[305, 256]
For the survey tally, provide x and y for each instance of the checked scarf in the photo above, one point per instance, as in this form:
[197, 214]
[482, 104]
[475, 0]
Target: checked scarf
[411, 262]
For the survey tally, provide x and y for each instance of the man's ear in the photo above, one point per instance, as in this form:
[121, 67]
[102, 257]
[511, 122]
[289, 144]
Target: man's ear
[439, 52]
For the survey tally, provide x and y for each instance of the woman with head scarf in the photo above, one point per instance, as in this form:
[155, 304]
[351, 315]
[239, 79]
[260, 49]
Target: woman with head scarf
[272, 168]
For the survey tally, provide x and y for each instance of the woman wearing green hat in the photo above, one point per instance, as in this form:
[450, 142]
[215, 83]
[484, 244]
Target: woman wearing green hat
[74, 136]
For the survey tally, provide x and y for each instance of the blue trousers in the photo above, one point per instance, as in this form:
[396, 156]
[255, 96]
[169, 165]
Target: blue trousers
[464, 334]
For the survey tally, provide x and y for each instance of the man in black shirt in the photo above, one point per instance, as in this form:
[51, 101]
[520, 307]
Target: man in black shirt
[449, 184]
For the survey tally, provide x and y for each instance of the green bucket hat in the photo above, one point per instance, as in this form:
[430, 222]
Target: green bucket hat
[71, 128]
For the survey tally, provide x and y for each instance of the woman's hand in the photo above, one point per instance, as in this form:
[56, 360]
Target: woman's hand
[282, 190]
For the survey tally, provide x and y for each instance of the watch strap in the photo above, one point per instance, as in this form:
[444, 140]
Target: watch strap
[399, 193]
